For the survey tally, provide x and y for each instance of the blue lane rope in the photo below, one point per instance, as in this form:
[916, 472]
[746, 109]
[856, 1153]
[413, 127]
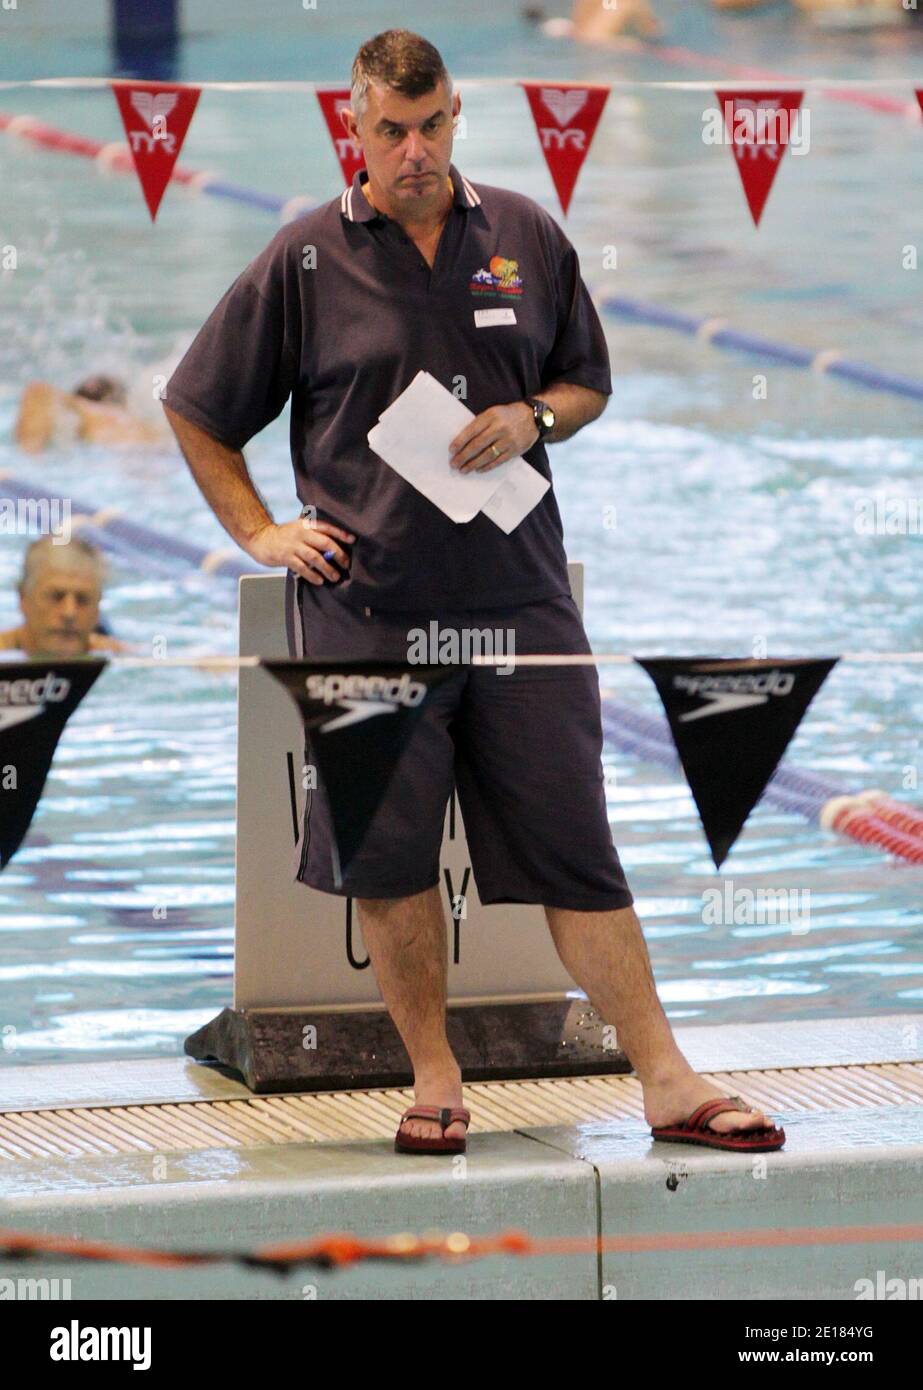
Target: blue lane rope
[127, 555]
[648, 736]
[267, 202]
[812, 785]
[132, 542]
[714, 331]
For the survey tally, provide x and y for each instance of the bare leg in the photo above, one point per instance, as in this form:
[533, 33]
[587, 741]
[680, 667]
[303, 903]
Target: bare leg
[606, 954]
[406, 942]
[593, 20]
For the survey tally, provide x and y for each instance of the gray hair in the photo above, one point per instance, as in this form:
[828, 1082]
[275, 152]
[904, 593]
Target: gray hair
[398, 59]
[45, 550]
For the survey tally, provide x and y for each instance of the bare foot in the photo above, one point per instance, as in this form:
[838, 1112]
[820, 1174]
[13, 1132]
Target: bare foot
[671, 1102]
[440, 1088]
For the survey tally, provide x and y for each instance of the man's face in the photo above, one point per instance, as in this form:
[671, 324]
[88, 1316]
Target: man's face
[407, 143]
[61, 609]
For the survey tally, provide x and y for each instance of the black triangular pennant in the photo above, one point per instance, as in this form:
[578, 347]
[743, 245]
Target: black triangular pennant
[731, 721]
[360, 715]
[36, 700]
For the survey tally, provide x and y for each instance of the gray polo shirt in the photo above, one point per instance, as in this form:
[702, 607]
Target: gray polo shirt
[340, 312]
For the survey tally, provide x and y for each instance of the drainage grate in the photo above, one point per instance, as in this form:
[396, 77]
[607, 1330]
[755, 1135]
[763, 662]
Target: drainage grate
[338, 1116]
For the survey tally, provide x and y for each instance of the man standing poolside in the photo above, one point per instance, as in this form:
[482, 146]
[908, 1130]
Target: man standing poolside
[341, 311]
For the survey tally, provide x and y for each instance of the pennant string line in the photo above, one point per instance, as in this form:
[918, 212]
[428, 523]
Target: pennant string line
[750, 84]
[723, 808]
[229, 663]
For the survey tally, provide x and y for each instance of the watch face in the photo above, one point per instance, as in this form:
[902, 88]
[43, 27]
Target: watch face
[547, 416]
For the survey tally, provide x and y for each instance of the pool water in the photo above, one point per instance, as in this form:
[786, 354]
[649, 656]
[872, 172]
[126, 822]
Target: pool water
[735, 516]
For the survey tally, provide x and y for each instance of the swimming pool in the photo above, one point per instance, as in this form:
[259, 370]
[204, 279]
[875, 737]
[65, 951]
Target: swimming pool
[735, 517]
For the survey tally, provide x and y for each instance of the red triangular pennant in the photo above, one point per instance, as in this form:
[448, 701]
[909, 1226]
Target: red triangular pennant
[753, 121]
[156, 116]
[566, 115]
[919, 92]
[347, 151]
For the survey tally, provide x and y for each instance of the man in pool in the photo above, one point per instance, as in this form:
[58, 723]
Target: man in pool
[95, 412]
[415, 267]
[592, 21]
[861, 8]
[595, 22]
[59, 595]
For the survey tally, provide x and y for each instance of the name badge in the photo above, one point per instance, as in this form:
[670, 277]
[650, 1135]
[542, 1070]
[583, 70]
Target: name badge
[487, 318]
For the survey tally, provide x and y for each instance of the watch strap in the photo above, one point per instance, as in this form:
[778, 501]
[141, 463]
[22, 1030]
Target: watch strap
[538, 406]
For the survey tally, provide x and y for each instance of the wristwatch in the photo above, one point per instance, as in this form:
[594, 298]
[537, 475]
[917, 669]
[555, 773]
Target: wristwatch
[544, 416]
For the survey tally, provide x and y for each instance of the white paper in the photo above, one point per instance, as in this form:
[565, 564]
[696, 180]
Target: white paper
[399, 404]
[413, 436]
[520, 491]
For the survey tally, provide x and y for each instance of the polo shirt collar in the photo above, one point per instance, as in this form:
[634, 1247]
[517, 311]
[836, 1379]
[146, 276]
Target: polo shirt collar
[355, 206]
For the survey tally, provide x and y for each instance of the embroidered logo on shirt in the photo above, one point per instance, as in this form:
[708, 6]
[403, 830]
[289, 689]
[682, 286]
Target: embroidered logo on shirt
[502, 277]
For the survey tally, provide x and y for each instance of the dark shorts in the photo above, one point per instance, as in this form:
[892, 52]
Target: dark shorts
[523, 750]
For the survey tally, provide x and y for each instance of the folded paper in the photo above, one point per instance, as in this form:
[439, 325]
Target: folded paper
[413, 436]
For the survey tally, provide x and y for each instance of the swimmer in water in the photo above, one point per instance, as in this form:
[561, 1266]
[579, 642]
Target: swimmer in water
[59, 595]
[592, 20]
[93, 413]
[867, 7]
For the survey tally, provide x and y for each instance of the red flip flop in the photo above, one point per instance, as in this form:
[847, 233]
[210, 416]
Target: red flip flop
[417, 1144]
[695, 1130]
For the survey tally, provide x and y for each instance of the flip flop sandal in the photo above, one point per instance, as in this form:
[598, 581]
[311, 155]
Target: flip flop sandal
[417, 1144]
[695, 1130]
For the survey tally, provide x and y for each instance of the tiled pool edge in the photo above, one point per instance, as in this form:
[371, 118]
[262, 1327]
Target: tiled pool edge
[839, 1169]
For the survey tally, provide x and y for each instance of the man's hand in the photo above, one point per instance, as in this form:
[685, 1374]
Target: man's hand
[299, 546]
[491, 438]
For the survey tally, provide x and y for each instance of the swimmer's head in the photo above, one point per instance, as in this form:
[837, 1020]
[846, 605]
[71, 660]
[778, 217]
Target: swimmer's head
[59, 594]
[102, 388]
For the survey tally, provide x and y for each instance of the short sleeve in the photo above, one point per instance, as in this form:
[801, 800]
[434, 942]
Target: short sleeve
[240, 368]
[580, 354]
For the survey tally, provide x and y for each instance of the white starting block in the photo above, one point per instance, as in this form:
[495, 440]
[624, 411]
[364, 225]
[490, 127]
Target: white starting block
[307, 1014]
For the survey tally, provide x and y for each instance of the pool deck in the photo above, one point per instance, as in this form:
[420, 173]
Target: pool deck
[173, 1153]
